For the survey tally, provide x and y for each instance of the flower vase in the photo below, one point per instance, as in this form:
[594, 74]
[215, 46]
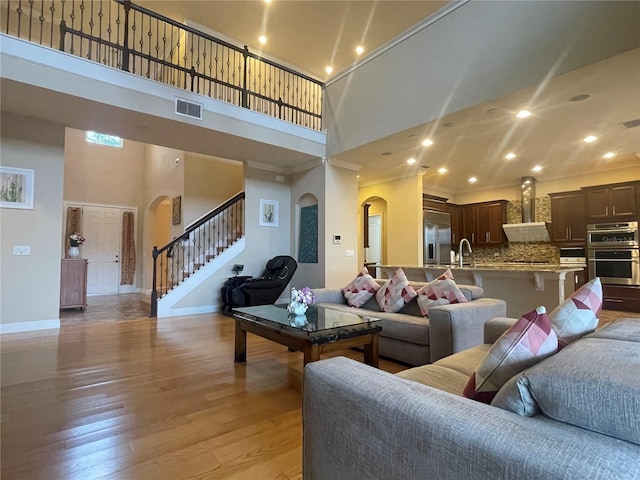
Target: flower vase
[74, 252]
[298, 321]
[297, 308]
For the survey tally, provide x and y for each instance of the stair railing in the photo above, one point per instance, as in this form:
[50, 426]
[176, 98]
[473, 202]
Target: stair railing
[123, 35]
[200, 243]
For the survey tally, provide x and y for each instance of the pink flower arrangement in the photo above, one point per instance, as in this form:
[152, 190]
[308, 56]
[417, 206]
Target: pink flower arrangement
[304, 295]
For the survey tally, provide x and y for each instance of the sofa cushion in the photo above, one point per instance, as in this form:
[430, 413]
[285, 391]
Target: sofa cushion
[439, 292]
[593, 384]
[361, 289]
[395, 293]
[578, 314]
[528, 341]
[465, 361]
[437, 376]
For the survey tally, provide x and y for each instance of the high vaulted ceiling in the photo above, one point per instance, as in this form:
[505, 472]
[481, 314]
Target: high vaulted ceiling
[309, 35]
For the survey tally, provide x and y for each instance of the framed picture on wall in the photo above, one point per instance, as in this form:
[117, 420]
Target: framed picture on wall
[176, 211]
[268, 213]
[16, 188]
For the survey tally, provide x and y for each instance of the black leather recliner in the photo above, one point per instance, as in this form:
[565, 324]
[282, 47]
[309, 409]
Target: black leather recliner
[244, 291]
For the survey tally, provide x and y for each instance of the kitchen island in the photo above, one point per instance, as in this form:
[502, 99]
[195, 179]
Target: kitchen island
[524, 286]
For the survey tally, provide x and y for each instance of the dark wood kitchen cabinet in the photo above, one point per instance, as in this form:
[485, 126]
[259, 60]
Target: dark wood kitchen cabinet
[455, 212]
[619, 297]
[568, 218]
[480, 223]
[490, 217]
[612, 203]
[468, 223]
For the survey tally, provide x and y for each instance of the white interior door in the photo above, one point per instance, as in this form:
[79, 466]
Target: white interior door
[375, 239]
[101, 226]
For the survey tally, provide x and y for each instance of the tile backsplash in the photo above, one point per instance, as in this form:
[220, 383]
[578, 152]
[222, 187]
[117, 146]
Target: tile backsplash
[512, 252]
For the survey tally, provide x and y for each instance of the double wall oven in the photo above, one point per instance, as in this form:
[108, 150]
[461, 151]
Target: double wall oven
[613, 253]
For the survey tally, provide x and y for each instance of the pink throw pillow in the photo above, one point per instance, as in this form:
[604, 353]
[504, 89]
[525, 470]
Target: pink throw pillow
[528, 341]
[361, 289]
[394, 294]
[577, 315]
[439, 292]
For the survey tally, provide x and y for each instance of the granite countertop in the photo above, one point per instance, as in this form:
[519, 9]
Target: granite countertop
[521, 267]
[500, 266]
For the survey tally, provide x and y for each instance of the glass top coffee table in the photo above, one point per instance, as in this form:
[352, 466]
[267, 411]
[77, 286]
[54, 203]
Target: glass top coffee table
[319, 331]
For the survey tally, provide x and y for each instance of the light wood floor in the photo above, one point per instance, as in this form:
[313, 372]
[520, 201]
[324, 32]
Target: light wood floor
[116, 395]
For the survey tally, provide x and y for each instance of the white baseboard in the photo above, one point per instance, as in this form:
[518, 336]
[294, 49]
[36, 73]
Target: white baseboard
[164, 312]
[29, 326]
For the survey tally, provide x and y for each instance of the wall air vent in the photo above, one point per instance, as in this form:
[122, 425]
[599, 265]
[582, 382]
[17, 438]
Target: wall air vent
[189, 109]
[631, 123]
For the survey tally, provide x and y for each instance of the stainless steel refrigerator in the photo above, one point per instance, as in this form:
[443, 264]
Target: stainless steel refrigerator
[437, 238]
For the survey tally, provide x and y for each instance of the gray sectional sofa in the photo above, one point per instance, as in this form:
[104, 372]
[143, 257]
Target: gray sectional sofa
[362, 423]
[410, 338]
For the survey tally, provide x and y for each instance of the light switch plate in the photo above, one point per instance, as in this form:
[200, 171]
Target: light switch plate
[21, 250]
[349, 253]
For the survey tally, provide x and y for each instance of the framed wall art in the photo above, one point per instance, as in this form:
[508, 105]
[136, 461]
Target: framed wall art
[176, 210]
[16, 188]
[268, 213]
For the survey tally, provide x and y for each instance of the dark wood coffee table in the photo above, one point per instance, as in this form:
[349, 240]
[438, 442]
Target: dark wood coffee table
[321, 330]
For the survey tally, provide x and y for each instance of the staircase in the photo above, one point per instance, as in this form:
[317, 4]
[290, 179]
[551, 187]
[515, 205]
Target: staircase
[200, 243]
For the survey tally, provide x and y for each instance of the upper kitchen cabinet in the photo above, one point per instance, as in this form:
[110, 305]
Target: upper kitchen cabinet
[480, 223]
[568, 218]
[489, 218]
[431, 202]
[455, 213]
[611, 203]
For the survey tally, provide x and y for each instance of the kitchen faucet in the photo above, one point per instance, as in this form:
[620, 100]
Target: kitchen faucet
[460, 250]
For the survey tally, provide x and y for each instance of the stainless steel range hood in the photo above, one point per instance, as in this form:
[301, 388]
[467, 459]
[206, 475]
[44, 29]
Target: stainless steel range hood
[528, 231]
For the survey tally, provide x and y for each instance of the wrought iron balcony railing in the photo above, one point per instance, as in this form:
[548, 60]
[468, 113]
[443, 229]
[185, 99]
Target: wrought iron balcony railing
[120, 34]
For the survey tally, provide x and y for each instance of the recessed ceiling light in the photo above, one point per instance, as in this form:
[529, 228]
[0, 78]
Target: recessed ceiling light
[359, 49]
[262, 39]
[609, 155]
[442, 170]
[329, 70]
[267, 1]
[411, 161]
[510, 156]
[427, 142]
[472, 180]
[523, 114]
[537, 168]
[590, 138]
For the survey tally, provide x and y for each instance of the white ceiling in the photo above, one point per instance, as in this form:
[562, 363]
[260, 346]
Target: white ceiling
[309, 35]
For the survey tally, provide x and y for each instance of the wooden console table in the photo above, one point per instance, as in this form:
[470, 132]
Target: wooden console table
[73, 283]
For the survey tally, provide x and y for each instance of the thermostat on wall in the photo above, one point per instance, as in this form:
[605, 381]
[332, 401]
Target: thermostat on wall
[337, 239]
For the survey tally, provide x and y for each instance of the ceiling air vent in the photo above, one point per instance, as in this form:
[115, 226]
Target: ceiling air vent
[188, 109]
[631, 123]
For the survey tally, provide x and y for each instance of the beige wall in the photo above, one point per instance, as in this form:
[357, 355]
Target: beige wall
[30, 285]
[310, 182]
[403, 222]
[208, 182]
[341, 217]
[103, 175]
